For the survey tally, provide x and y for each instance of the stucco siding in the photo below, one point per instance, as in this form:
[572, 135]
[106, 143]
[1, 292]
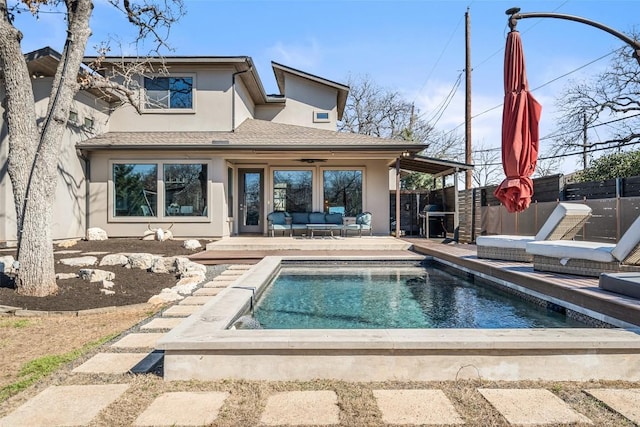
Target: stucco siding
[211, 101]
[304, 97]
[69, 211]
[244, 105]
[214, 225]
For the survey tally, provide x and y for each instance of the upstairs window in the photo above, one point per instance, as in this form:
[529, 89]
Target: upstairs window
[168, 93]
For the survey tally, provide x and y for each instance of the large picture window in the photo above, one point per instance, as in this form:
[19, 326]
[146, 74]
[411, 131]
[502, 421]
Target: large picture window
[168, 92]
[292, 190]
[342, 191]
[185, 189]
[136, 189]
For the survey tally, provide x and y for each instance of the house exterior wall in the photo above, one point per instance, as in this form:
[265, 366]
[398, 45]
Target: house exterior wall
[69, 212]
[85, 191]
[244, 105]
[304, 97]
[211, 100]
[101, 194]
[217, 223]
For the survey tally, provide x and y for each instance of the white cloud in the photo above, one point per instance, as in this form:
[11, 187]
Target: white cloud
[304, 55]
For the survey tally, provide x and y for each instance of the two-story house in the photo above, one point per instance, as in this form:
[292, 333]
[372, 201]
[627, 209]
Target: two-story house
[210, 154]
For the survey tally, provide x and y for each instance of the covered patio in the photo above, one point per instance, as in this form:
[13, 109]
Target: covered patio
[439, 169]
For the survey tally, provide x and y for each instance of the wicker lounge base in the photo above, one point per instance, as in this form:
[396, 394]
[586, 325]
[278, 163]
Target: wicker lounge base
[621, 283]
[506, 254]
[580, 267]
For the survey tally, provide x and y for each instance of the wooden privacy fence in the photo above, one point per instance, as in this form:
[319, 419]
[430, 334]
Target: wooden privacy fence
[615, 204]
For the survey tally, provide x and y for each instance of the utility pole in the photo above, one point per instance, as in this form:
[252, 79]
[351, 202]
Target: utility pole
[584, 141]
[467, 109]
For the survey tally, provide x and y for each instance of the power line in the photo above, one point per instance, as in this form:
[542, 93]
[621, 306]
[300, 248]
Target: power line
[578, 153]
[440, 109]
[444, 49]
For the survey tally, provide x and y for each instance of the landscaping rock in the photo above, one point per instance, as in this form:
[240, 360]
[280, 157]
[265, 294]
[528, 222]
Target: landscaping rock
[6, 264]
[107, 284]
[94, 275]
[64, 276]
[165, 296]
[115, 259]
[164, 265]
[185, 267]
[82, 261]
[107, 291]
[142, 261]
[187, 285]
[96, 233]
[191, 244]
[67, 243]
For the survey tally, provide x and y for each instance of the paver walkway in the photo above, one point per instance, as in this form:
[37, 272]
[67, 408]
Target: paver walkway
[80, 404]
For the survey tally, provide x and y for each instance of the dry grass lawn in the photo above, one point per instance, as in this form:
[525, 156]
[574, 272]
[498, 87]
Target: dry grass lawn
[25, 339]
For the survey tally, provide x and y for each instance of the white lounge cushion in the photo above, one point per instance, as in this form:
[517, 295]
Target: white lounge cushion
[628, 241]
[504, 241]
[560, 211]
[568, 249]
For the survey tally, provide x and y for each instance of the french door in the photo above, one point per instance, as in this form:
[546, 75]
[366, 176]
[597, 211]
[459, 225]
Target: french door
[250, 192]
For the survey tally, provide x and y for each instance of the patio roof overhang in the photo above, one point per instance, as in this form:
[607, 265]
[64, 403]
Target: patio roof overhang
[432, 166]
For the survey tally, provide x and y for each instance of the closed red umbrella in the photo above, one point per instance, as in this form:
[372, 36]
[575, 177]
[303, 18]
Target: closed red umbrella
[520, 118]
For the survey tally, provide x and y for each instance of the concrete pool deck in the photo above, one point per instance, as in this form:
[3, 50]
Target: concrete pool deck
[203, 348]
[96, 391]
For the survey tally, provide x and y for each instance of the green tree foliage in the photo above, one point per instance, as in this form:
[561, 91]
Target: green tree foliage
[618, 165]
[418, 181]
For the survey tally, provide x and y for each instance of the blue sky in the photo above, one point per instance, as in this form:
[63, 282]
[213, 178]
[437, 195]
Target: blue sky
[415, 47]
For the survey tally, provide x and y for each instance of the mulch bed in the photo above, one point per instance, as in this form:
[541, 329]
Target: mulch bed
[131, 286]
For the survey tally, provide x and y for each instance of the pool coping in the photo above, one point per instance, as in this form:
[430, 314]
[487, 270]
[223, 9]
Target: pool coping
[202, 346]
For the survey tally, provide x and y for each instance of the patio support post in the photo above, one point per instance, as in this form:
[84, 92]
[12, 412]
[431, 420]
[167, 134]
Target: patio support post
[398, 197]
[456, 207]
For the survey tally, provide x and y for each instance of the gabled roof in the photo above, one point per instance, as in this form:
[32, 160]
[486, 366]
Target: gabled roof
[251, 134]
[343, 90]
[245, 70]
[43, 62]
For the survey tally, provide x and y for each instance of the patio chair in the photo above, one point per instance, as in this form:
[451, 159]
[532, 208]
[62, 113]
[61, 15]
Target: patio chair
[563, 224]
[363, 223]
[278, 221]
[588, 258]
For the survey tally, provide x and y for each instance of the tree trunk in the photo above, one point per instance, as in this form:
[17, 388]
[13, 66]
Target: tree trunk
[33, 153]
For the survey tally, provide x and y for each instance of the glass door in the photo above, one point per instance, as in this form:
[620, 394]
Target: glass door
[250, 189]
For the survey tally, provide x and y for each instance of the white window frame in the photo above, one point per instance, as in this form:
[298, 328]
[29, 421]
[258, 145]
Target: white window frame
[317, 119]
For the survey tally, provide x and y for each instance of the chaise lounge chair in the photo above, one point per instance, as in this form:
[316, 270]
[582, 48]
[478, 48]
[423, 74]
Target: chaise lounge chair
[563, 224]
[589, 258]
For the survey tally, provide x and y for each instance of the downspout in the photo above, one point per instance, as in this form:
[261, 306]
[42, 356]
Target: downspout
[233, 96]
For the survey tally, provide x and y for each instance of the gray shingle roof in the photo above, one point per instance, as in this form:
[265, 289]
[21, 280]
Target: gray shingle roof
[251, 133]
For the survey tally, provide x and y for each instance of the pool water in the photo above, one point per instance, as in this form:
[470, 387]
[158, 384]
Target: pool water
[393, 297]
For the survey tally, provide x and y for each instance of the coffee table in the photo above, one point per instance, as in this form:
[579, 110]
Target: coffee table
[322, 227]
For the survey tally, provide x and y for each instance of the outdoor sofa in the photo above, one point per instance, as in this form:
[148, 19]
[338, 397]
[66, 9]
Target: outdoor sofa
[563, 224]
[302, 221]
[588, 258]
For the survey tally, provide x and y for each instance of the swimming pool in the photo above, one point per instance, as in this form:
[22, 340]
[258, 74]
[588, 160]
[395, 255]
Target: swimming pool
[318, 296]
[205, 347]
